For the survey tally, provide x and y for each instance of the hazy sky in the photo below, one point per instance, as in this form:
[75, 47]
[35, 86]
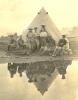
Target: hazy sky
[15, 15]
[19, 89]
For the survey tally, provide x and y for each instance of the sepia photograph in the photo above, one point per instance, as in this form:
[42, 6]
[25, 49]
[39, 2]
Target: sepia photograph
[38, 50]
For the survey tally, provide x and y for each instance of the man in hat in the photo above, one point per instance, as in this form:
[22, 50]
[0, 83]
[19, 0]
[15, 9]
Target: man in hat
[63, 45]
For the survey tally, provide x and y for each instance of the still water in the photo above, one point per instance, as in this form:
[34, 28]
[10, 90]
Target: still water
[18, 88]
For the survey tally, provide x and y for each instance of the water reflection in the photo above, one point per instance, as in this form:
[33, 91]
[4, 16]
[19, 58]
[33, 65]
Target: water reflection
[42, 74]
[15, 67]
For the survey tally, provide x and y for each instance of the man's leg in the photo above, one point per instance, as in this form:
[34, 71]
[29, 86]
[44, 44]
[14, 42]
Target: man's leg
[54, 53]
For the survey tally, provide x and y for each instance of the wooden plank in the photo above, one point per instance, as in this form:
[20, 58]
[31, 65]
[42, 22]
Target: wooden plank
[32, 59]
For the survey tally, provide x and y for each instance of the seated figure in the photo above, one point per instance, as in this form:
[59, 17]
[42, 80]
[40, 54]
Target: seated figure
[63, 47]
[12, 44]
[20, 41]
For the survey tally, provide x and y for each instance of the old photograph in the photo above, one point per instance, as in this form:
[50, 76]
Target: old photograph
[38, 50]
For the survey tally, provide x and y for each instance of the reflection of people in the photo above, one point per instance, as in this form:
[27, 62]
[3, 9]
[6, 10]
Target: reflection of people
[12, 69]
[21, 68]
[62, 71]
[63, 45]
[35, 70]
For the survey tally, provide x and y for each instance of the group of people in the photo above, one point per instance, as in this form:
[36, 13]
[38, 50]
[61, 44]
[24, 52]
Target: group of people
[62, 47]
[16, 43]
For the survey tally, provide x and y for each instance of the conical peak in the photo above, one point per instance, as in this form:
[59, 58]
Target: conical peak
[43, 11]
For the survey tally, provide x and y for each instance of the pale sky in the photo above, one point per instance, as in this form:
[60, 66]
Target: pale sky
[16, 15]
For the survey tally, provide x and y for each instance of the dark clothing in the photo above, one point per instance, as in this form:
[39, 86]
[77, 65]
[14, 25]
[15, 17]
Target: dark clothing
[62, 42]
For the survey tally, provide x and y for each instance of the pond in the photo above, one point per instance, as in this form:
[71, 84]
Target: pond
[20, 88]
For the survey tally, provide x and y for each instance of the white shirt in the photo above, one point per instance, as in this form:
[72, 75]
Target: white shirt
[43, 34]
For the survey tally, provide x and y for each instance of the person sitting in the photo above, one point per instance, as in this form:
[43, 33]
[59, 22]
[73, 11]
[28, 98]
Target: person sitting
[63, 46]
[12, 44]
[20, 42]
[66, 47]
